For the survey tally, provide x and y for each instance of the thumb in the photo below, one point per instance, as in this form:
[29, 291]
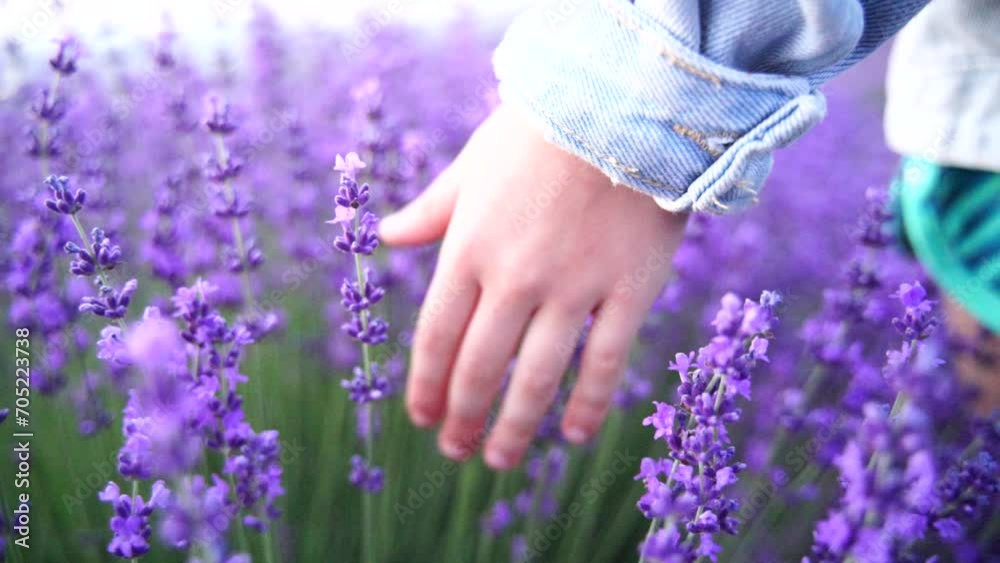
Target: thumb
[424, 219]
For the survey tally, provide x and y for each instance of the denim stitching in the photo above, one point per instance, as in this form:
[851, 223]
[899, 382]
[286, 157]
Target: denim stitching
[614, 162]
[661, 50]
[703, 140]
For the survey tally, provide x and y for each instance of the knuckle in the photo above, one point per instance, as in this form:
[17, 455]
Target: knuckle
[431, 338]
[607, 361]
[539, 386]
[518, 429]
[524, 287]
[590, 401]
[462, 414]
[569, 303]
[467, 401]
[476, 381]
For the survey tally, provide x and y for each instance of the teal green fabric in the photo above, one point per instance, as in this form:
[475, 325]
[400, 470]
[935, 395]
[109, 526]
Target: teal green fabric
[951, 221]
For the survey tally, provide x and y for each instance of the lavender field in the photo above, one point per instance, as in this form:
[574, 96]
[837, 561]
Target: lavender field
[208, 344]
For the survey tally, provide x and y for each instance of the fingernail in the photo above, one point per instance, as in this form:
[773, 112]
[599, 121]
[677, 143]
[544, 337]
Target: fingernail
[576, 435]
[497, 459]
[452, 450]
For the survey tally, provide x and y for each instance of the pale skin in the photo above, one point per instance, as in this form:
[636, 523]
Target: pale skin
[535, 241]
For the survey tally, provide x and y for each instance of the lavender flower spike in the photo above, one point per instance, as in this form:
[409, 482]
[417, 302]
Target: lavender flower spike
[131, 521]
[64, 61]
[359, 238]
[691, 504]
[64, 200]
[358, 295]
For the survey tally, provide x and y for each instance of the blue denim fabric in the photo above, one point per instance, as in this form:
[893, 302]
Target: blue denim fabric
[685, 100]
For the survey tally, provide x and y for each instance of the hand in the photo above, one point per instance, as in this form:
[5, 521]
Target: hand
[535, 241]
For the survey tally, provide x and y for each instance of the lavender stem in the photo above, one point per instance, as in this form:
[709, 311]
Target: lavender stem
[368, 530]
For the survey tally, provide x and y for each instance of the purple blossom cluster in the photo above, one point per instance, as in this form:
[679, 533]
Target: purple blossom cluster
[182, 381]
[187, 408]
[892, 465]
[95, 259]
[358, 294]
[130, 523]
[692, 504]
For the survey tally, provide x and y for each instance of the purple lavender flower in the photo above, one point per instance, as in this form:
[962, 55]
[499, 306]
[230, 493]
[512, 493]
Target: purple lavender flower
[257, 469]
[219, 120]
[357, 297]
[665, 545]
[634, 389]
[241, 255]
[101, 254]
[64, 199]
[965, 495]
[888, 475]
[497, 519]
[197, 514]
[362, 238]
[64, 61]
[4, 413]
[701, 466]
[222, 171]
[166, 412]
[48, 107]
[368, 478]
[359, 226]
[131, 521]
[109, 302]
[363, 389]
[889, 467]
[166, 223]
[918, 321]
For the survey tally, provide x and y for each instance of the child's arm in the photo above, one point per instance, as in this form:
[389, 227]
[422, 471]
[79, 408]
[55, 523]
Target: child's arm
[537, 236]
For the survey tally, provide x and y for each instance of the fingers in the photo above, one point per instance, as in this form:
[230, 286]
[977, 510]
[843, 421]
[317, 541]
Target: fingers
[544, 357]
[444, 315]
[488, 345]
[602, 366]
[424, 219]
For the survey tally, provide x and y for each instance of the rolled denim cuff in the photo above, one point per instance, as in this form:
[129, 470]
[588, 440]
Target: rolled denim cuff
[609, 84]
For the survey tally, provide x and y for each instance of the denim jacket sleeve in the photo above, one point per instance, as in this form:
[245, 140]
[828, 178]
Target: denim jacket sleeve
[685, 100]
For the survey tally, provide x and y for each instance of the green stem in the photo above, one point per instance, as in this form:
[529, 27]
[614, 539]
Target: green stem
[268, 546]
[93, 252]
[538, 495]
[43, 129]
[368, 531]
[241, 531]
[485, 548]
[135, 493]
[812, 385]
